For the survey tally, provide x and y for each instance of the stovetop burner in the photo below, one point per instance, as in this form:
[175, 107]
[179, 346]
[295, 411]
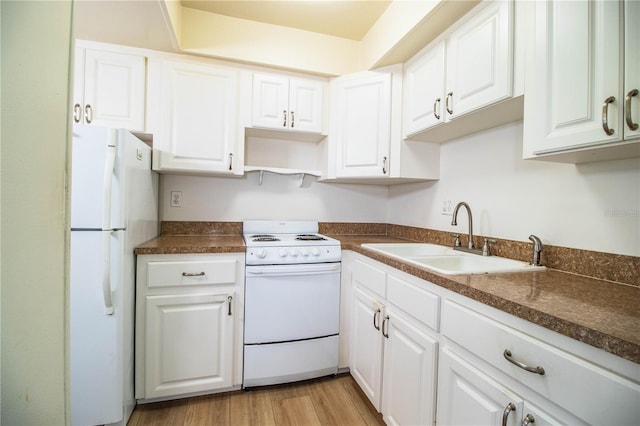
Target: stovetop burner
[265, 238]
[310, 237]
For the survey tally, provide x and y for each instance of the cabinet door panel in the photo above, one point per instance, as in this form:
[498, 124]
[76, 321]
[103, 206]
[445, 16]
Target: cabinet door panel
[409, 382]
[114, 88]
[632, 64]
[270, 102]
[305, 105]
[363, 135]
[189, 344]
[479, 60]
[468, 397]
[366, 344]
[199, 118]
[577, 66]
[424, 91]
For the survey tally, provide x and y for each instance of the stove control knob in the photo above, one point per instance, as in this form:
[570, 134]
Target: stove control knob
[295, 252]
[283, 253]
[315, 252]
[261, 253]
[304, 252]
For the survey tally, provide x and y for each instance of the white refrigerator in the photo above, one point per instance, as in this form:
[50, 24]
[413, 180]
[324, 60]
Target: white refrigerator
[114, 208]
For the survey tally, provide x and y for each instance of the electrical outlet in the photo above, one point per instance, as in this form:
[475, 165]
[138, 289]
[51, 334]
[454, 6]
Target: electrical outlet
[176, 199]
[446, 207]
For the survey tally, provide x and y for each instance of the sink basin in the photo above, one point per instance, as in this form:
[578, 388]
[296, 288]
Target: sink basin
[447, 261]
[404, 250]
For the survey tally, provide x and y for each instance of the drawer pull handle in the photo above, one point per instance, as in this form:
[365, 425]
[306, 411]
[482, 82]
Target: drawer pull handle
[376, 319]
[193, 274]
[229, 300]
[528, 419]
[507, 410]
[385, 330]
[538, 370]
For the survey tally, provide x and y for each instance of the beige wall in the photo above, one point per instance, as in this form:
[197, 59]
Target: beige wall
[35, 39]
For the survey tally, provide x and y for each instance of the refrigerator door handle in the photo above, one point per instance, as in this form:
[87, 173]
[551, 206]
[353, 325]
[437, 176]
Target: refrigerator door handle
[107, 179]
[106, 273]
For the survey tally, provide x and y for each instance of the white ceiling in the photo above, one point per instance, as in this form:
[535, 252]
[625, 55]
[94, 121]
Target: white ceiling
[346, 19]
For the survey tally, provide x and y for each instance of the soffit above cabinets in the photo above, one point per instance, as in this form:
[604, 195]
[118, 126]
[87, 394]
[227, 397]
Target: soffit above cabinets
[326, 38]
[345, 19]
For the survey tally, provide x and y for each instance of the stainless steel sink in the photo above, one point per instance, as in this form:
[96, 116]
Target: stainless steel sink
[447, 261]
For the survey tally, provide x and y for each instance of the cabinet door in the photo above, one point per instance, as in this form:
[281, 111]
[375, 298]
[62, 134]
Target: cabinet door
[424, 91]
[114, 89]
[363, 125]
[199, 119]
[480, 60]
[576, 69]
[632, 69]
[270, 102]
[189, 344]
[409, 381]
[366, 343]
[466, 396]
[305, 105]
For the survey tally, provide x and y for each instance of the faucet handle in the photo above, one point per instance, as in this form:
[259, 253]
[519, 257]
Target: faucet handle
[486, 249]
[457, 243]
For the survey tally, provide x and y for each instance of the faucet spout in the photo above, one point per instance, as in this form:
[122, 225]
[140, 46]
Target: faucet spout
[537, 248]
[454, 221]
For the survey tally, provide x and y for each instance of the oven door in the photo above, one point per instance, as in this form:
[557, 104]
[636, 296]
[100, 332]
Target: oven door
[291, 302]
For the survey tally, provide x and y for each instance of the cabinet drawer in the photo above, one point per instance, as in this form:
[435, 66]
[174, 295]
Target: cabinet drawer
[596, 395]
[370, 277]
[417, 302]
[184, 273]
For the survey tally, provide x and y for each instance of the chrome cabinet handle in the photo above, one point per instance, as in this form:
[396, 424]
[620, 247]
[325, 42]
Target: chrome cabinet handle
[229, 300]
[385, 330]
[605, 115]
[231, 161]
[528, 419]
[446, 103]
[88, 114]
[436, 107]
[193, 274]
[77, 113]
[538, 370]
[376, 319]
[627, 107]
[507, 410]
[293, 117]
[384, 165]
[284, 115]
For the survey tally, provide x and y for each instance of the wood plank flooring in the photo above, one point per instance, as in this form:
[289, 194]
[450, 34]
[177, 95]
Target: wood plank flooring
[327, 401]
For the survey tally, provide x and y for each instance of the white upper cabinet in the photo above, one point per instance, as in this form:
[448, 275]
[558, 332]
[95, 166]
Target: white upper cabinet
[199, 119]
[109, 89]
[363, 130]
[365, 142]
[468, 68]
[288, 104]
[424, 90]
[580, 102]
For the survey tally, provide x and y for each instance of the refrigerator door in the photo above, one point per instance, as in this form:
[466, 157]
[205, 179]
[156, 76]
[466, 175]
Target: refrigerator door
[96, 179]
[95, 337]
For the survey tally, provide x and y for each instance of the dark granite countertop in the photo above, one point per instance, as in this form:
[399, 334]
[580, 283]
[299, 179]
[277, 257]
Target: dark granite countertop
[600, 313]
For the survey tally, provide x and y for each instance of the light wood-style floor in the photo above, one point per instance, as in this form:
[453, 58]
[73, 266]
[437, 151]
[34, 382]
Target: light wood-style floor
[327, 401]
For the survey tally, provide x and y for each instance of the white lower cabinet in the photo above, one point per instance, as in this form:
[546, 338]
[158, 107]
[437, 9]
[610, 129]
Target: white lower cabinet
[188, 324]
[415, 347]
[392, 355]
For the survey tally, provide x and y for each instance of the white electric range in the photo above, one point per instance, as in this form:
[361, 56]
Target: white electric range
[292, 302]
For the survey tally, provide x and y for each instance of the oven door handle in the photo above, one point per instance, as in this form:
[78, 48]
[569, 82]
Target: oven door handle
[293, 269]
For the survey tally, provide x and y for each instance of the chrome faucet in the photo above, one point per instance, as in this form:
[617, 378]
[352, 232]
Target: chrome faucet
[537, 248]
[454, 221]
